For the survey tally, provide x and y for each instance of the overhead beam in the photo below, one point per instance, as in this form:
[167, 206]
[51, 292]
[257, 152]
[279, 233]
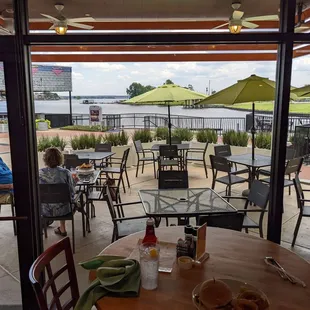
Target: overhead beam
[153, 57]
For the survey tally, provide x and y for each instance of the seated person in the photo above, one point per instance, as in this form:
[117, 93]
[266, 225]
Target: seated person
[52, 174]
[6, 183]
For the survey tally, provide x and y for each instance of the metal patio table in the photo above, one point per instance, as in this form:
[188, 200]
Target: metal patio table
[84, 185]
[94, 155]
[180, 203]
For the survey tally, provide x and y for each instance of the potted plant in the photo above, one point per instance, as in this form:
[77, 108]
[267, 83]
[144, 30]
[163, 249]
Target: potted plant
[4, 125]
[42, 124]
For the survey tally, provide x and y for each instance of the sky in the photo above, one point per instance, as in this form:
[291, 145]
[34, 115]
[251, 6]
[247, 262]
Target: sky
[113, 78]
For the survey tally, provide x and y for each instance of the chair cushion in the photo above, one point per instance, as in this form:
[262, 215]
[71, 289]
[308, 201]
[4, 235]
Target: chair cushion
[147, 159]
[248, 222]
[126, 228]
[234, 179]
[111, 170]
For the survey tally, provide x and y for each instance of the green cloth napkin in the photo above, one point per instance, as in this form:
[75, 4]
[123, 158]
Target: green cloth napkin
[116, 276]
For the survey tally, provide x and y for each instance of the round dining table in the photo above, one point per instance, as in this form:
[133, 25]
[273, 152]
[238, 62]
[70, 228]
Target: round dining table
[233, 255]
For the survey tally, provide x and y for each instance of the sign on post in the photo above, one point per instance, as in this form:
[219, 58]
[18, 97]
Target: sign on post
[95, 115]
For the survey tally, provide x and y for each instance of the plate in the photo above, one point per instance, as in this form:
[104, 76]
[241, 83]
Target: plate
[85, 171]
[234, 285]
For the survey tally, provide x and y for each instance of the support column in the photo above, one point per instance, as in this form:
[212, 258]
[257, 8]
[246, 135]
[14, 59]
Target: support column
[280, 120]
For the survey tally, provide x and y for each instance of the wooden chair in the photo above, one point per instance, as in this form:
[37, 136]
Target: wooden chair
[124, 226]
[219, 163]
[121, 170]
[293, 167]
[233, 221]
[60, 193]
[189, 156]
[303, 205]
[224, 151]
[141, 155]
[37, 273]
[259, 197]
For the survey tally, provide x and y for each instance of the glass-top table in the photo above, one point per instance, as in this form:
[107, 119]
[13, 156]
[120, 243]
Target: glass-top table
[94, 155]
[183, 202]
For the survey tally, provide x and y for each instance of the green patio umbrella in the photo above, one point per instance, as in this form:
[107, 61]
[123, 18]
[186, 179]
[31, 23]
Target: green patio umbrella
[167, 94]
[251, 89]
[302, 91]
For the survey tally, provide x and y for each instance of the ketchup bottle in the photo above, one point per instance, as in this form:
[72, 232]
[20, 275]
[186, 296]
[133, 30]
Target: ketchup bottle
[150, 236]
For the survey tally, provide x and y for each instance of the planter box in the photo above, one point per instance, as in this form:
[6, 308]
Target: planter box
[119, 151]
[4, 128]
[42, 126]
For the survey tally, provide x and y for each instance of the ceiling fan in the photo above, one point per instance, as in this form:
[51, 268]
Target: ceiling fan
[301, 24]
[236, 22]
[7, 27]
[61, 22]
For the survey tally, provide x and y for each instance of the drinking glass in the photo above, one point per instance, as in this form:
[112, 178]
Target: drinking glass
[149, 263]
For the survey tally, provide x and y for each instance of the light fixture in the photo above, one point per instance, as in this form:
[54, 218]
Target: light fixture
[235, 26]
[61, 28]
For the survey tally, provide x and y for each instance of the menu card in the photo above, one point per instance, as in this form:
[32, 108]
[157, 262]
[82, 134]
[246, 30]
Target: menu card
[201, 243]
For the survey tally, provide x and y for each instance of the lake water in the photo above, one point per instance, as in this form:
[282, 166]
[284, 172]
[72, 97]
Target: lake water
[62, 106]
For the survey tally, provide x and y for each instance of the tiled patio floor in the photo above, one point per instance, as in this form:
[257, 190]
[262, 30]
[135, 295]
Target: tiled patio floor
[101, 233]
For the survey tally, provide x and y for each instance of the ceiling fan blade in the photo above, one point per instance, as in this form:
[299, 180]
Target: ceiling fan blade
[4, 31]
[82, 26]
[237, 15]
[52, 27]
[54, 19]
[301, 29]
[263, 18]
[82, 20]
[249, 25]
[220, 26]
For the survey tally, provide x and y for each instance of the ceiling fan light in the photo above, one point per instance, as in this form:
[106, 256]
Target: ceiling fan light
[61, 28]
[235, 27]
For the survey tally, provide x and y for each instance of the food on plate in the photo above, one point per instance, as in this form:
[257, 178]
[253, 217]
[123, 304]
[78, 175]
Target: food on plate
[244, 304]
[85, 166]
[215, 294]
[254, 296]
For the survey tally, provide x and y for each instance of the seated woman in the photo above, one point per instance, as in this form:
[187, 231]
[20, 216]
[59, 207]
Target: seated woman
[52, 174]
[6, 183]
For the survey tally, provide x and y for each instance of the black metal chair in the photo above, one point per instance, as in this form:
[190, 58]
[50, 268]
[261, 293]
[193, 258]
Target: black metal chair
[102, 147]
[169, 157]
[72, 161]
[304, 210]
[174, 140]
[60, 193]
[141, 155]
[259, 197]
[198, 151]
[12, 205]
[121, 170]
[124, 226]
[233, 221]
[173, 179]
[293, 166]
[219, 163]
[224, 151]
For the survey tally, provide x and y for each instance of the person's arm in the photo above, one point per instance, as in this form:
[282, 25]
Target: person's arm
[71, 184]
[6, 186]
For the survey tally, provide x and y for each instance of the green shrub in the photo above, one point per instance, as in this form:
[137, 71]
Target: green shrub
[58, 142]
[85, 128]
[161, 133]
[263, 140]
[233, 137]
[207, 135]
[85, 141]
[144, 135]
[75, 142]
[117, 139]
[184, 134]
[43, 143]
[41, 120]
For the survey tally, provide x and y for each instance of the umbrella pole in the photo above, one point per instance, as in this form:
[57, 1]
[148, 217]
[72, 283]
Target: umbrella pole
[253, 131]
[169, 123]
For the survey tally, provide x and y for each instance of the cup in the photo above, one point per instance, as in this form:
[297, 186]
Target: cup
[149, 263]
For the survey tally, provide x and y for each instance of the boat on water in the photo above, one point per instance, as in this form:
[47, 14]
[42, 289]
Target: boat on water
[88, 101]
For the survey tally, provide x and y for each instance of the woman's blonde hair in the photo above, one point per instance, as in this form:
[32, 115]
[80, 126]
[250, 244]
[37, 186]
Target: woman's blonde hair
[53, 157]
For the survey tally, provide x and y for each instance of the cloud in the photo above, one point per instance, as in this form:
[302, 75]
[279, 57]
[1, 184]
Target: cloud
[104, 66]
[124, 77]
[77, 75]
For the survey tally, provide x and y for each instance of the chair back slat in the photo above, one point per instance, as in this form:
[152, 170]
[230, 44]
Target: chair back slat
[138, 146]
[219, 163]
[222, 150]
[233, 221]
[55, 193]
[294, 165]
[168, 151]
[259, 194]
[110, 204]
[103, 147]
[169, 179]
[125, 158]
[42, 263]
